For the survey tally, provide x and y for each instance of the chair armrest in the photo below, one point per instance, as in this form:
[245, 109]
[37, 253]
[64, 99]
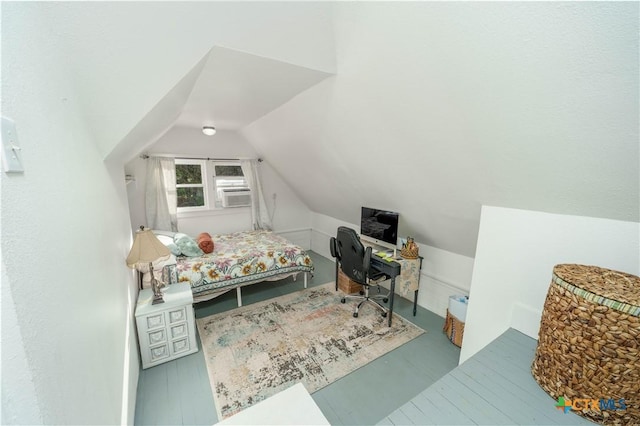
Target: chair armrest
[333, 247]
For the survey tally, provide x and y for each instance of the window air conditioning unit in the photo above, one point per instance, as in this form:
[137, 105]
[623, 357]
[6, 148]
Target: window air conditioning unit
[237, 197]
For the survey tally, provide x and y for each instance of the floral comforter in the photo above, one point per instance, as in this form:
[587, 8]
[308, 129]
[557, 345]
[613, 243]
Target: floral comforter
[241, 258]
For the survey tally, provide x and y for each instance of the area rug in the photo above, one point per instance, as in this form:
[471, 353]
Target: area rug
[308, 336]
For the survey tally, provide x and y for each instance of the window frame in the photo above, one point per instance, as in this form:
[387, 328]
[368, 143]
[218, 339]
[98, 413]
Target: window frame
[203, 185]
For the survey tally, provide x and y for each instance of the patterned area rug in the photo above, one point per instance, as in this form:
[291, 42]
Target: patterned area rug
[308, 336]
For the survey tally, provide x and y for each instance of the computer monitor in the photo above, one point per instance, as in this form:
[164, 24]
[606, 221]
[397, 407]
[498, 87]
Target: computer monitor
[379, 227]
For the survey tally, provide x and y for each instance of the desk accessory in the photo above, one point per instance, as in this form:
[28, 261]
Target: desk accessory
[148, 249]
[409, 249]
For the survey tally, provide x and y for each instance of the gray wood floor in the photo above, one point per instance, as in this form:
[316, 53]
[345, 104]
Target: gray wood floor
[178, 392]
[494, 387]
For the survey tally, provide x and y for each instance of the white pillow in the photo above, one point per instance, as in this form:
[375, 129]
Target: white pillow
[168, 242]
[157, 270]
[160, 232]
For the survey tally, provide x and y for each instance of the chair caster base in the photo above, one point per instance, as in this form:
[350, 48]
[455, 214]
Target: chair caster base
[355, 315]
[343, 300]
[384, 315]
[385, 300]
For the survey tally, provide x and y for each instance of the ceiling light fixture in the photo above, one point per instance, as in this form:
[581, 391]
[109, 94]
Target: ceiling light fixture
[209, 130]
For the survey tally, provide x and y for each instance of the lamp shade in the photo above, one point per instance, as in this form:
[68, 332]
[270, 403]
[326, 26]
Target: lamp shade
[146, 248]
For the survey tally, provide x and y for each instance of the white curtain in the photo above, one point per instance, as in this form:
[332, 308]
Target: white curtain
[160, 196]
[259, 214]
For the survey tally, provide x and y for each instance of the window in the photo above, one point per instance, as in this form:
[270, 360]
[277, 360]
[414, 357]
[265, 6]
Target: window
[210, 185]
[191, 184]
[228, 179]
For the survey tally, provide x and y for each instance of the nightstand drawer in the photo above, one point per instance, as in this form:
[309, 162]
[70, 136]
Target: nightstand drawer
[179, 346]
[177, 315]
[159, 352]
[180, 330]
[155, 321]
[159, 336]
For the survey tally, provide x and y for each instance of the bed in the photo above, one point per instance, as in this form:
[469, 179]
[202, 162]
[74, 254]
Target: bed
[239, 259]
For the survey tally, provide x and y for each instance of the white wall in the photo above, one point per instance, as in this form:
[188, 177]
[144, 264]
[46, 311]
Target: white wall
[443, 273]
[18, 390]
[136, 168]
[290, 216]
[516, 252]
[288, 212]
[65, 236]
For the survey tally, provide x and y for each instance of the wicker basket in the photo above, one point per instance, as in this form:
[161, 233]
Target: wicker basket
[409, 253]
[454, 329]
[409, 249]
[346, 285]
[589, 342]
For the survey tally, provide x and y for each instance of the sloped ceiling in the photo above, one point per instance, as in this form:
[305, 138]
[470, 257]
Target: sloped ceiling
[435, 108]
[438, 108]
[126, 57]
[235, 89]
[227, 89]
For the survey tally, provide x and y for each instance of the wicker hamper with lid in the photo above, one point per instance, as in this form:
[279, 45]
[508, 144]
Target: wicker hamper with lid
[589, 341]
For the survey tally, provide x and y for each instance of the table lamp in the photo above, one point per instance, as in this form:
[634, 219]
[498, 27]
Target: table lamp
[148, 249]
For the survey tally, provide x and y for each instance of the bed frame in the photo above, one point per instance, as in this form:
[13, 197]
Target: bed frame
[240, 259]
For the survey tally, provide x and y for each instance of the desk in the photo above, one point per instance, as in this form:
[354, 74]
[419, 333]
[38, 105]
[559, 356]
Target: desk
[392, 269]
[403, 272]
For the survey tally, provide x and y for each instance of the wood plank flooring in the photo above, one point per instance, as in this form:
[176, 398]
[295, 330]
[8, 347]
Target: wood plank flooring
[178, 392]
[494, 387]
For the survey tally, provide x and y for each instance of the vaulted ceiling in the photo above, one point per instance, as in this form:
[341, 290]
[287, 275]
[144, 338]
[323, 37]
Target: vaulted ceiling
[234, 89]
[429, 109]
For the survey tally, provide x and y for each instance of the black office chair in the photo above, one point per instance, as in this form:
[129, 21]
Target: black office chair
[355, 261]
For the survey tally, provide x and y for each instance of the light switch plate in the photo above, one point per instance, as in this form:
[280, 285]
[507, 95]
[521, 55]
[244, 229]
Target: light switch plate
[11, 160]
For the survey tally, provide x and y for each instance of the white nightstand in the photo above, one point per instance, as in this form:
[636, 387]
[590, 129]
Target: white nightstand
[166, 330]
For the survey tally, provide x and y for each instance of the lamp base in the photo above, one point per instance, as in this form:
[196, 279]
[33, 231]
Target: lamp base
[156, 286]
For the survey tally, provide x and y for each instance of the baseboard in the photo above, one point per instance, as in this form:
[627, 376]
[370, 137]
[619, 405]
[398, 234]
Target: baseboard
[320, 243]
[435, 292]
[526, 319]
